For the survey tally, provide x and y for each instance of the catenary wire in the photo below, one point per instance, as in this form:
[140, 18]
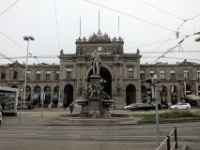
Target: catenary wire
[57, 24]
[161, 10]
[8, 7]
[130, 16]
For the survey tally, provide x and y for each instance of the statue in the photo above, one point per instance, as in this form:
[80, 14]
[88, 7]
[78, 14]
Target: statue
[96, 62]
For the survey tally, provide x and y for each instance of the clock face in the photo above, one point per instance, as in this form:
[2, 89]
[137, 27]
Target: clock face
[99, 48]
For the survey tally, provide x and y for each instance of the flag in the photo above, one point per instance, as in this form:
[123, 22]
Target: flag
[171, 88]
[161, 88]
[196, 88]
[184, 88]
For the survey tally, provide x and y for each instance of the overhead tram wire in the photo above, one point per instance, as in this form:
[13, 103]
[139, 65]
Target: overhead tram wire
[8, 7]
[130, 16]
[18, 45]
[57, 25]
[172, 34]
[150, 44]
[161, 10]
[171, 49]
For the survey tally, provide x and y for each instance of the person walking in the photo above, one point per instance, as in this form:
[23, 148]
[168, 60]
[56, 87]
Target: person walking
[71, 106]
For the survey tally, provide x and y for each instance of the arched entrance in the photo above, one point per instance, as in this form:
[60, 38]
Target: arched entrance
[68, 94]
[47, 91]
[174, 93]
[55, 95]
[36, 95]
[163, 94]
[144, 94]
[130, 94]
[106, 80]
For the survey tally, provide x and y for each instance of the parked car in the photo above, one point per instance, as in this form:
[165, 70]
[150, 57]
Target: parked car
[26, 106]
[129, 106]
[181, 106]
[141, 106]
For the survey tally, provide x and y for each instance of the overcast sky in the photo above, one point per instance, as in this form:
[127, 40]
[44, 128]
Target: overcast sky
[158, 20]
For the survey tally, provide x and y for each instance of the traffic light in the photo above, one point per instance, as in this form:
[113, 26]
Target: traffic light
[151, 93]
[150, 81]
[150, 90]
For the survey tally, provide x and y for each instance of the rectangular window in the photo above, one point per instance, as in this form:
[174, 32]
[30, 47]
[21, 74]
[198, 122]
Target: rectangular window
[130, 73]
[172, 76]
[151, 74]
[142, 77]
[48, 75]
[186, 74]
[57, 75]
[69, 74]
[28, 75]
[162, 74]
[198, 74]
[15, 75]
[37, 76]
[3, 75]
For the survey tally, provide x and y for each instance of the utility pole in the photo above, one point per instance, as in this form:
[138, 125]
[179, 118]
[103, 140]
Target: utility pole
[153, 84]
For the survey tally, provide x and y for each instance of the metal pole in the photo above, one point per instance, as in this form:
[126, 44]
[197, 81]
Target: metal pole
[42, 104]
[168, 142]
[175, 137]
[20, 104]
[25, 75]
[157, 117]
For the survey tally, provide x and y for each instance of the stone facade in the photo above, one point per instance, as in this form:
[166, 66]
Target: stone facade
[122, 75]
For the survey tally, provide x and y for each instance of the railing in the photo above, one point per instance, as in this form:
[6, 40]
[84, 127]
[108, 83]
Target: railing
[167, 139]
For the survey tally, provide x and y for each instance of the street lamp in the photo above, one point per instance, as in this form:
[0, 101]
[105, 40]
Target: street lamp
[43, 96]
[26, 38]
[20, 105]
[156, 100]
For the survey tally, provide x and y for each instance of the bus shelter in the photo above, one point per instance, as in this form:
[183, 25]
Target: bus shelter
[8, 100]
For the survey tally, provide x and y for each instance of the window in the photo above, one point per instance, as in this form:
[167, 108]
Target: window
[28, 75]
[185, 74]
[142, 75]
[198, 74]
[57, 75]
[48, 75]
[38, 75]
[162, 75]
[130, 73]
[172, 74]
[3, 75]
[69, 74]
[15, 75]
[151, 74]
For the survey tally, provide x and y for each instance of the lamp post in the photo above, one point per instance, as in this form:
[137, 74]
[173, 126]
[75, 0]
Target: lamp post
[26, 38]
[156, 100]
[20, 105]
[43, 96]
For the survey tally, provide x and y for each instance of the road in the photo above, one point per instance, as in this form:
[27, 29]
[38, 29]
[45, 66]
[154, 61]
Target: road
[38, 135]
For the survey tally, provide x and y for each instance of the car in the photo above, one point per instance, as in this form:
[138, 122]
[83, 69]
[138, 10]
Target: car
[141, 106]
[26, 106]
[181, 106]
[129, 106]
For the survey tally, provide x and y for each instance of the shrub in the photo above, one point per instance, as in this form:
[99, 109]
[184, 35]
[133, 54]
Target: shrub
[178, 114]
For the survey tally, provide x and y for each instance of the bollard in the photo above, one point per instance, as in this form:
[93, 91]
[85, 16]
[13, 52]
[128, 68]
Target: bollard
[175, 137]
[168, 142]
